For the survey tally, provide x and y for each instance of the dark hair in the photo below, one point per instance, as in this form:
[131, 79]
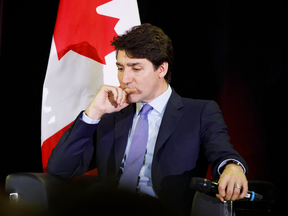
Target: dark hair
[147, 41]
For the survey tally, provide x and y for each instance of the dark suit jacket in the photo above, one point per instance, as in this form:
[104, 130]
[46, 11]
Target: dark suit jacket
[192, 134]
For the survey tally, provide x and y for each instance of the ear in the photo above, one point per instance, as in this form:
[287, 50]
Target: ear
[162, 70]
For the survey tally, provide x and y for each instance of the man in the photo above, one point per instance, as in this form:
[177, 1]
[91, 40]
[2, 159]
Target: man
[184, 135]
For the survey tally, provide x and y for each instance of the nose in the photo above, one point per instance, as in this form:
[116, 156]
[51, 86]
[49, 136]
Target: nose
[125, 77]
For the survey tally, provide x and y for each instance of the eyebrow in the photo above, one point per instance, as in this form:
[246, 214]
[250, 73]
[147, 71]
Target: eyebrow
[129, 64]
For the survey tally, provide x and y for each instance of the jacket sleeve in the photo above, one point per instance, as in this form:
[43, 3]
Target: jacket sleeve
[215, 139]
[73, 153]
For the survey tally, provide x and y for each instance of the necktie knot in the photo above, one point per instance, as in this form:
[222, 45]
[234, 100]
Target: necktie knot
[145, 109]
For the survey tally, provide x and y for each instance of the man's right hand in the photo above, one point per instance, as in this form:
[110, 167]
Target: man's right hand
[109, 99]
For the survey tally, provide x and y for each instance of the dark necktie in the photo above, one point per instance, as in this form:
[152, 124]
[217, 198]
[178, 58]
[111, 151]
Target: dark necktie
[134, 162]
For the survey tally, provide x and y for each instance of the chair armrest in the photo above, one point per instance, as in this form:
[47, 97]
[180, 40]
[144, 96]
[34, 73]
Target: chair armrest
[45, 190]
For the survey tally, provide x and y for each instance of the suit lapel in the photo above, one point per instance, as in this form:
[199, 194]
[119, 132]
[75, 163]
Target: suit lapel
[123, 122]
[124, 119]
[170, 120]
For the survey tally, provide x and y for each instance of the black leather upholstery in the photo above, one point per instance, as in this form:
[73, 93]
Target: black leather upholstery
[43, 189]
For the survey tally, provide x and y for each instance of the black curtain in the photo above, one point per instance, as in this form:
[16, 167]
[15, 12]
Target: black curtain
[1, 9]
[233, 52]
[27, 29]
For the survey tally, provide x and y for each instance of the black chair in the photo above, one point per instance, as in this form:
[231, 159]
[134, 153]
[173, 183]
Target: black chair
[53, 194]
[45, 193]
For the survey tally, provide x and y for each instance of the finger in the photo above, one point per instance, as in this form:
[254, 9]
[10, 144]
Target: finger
[230, 190]
[221, 198]
[113, 96]
[222, 187]
[244, 190]
[236, 193]
[124, 99]
[121, 96]
[130, 90]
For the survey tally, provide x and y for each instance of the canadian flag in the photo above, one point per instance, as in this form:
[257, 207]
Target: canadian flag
[81, 60]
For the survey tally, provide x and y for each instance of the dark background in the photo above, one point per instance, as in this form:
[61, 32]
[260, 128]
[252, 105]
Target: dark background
[234, 52]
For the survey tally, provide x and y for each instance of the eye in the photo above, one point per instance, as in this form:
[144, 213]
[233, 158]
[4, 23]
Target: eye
[120, 69]
[136, 69]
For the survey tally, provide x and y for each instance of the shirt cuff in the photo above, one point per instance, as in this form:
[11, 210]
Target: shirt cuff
[88, 120]
[225, 162]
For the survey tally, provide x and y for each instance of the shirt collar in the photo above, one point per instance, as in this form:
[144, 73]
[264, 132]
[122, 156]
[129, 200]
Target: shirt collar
[158, 103]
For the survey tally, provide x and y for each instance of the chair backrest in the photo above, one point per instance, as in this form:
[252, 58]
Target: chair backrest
[26, 189]
[43, 189]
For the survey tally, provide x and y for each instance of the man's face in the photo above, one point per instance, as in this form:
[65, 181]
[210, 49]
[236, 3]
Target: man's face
[139, 74]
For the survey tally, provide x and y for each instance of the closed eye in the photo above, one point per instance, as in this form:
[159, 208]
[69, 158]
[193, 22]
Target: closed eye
[136, 69]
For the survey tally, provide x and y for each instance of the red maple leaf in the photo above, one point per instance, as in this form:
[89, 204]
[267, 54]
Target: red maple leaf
[81, 29]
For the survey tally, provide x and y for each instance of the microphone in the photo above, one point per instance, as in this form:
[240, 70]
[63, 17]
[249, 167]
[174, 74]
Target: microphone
[208, 186]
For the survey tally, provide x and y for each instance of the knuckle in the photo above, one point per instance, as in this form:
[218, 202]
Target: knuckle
[229, 191]
[237, 192]
[220, 187]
